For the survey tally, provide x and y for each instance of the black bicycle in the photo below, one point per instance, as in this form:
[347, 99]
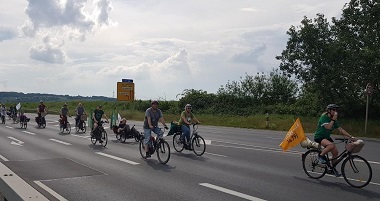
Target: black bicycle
[99, 134]
[197, 144]
[159, 145]
[41, 122]
[356, 170]
[64, 126]
[24, 121]
[2, 119]
[81, 126]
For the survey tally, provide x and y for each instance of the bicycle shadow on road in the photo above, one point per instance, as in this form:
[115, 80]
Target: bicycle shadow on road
[342, 185]
[97, 147]
[190, 155]
[156, 165]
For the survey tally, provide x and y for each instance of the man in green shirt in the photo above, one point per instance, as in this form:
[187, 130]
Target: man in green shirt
[97, 117]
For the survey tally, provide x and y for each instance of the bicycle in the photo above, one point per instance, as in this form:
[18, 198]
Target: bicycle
[41, 122]
[81, 124]
[160, 146]
[64, 126]
[356, 170]
[124, 135]
[99, 134]
[198, 144]
[24, 121]
[2, 119]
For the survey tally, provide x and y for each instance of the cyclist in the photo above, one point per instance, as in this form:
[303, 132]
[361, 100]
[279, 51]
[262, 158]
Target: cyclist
[13, 111]
[153, 115]
[41, 109]
[326, 124]
[63, 115]
[79, 112]
[187, 117]
[123, 126]
[97, 117]
[3, 112]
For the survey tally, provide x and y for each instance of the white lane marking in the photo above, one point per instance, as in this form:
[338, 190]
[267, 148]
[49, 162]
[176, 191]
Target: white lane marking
[85, 137]
[231, 192]
[207, 141]
[117, 158]
[373, 162]
[9, 127]
[3, 158]
[30, 133]
[49, 190]
[261, 149]
[215, 154]
[65, 143]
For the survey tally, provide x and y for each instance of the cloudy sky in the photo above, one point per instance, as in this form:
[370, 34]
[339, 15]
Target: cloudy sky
[84, 47]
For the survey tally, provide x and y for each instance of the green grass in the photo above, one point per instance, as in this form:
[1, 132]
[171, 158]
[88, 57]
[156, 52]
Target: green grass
[276, 122]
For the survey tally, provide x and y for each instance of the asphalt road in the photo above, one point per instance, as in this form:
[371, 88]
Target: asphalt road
[239, 164]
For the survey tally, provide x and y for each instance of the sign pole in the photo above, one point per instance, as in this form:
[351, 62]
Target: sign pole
[366, 116]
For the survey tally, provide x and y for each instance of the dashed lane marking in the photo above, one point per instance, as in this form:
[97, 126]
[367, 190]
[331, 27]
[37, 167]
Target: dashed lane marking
[30, 133]
[117, 158]
[231, 192]
[61, 142]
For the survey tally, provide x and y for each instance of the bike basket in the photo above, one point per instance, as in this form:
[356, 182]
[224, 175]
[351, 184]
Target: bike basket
[355, 147]
[83, 117]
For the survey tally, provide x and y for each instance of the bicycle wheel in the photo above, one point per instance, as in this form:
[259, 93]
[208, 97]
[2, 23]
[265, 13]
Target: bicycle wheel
[68, 128]
[104, 138]
[77, 128]
[199, 145]
[118, 136]
[142, 148]
[25, 124]
[163, 151]
[356, 171]
[177, 143]
[93, 138]
[61, 129]
[123, 137]
[311, 165]
[84, 127]
[21, 124]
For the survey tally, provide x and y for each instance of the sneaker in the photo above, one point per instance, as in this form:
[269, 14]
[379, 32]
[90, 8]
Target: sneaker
[334, 172]
[322, 160]
[100, 141]
[147, 155]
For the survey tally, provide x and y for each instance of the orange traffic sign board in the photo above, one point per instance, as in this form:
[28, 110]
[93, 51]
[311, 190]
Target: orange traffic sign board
[125, 91]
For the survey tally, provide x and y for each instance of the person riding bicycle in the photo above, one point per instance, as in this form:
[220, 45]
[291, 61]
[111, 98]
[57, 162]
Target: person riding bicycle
[13, 111]
[79, 112]
[63, 115]
[3, 111]
[153, 115]
[41, 109]
[187, 117]
[326, 124]
[123, 126]
[97, 117]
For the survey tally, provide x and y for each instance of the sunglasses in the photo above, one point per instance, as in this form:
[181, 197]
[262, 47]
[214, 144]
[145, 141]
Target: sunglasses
[188, 108]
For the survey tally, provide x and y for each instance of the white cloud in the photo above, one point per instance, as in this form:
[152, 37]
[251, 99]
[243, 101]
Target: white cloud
[164, 46]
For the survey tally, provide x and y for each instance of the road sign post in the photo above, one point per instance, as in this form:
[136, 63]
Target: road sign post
[368, 91]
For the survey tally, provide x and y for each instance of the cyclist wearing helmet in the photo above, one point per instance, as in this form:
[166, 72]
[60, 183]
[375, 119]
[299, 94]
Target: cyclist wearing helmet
[187, 117]
[41, 109]
[326, 124]
[63, 115]
[153, 115]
